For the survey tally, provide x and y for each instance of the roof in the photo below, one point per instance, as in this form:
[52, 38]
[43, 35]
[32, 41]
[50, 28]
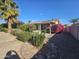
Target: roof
[45, 22]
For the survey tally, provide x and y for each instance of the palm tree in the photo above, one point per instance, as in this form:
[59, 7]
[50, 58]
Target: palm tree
[74, 20]
[8, 12]
[29, 21]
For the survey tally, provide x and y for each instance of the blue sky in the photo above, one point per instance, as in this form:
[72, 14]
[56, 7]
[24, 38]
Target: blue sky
[38, 10]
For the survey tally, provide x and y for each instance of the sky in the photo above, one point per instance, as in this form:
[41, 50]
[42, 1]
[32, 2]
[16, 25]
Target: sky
[42, 10]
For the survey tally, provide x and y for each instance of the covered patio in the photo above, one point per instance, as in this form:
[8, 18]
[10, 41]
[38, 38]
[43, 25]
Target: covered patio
[45, 25]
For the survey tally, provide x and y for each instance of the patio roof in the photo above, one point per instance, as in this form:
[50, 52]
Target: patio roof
[44, 22]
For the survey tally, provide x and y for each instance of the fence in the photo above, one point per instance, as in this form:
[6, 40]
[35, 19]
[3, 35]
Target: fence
[74, 30]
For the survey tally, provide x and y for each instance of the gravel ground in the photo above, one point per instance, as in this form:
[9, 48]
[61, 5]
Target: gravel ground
[8, 42]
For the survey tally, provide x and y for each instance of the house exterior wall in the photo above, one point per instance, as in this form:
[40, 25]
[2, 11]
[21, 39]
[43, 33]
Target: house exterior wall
[74, 30]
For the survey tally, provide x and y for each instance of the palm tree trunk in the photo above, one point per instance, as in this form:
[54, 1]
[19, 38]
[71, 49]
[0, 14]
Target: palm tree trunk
[9, 26]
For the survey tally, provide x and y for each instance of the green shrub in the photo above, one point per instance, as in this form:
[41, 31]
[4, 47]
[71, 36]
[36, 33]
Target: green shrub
[45, 31]
[4, 30]
[16, 31]
[38, 39]
[35, 38]
[24, 36]
[24, 27]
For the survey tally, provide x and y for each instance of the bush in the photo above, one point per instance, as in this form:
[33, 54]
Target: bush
[16, 31]
[4, 30]
[35, 38]
[45, 31]
[38, 39]
[24, 36]
[24, 27]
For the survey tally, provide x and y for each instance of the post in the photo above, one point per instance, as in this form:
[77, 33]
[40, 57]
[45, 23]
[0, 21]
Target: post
[50, 28]
[39, 27]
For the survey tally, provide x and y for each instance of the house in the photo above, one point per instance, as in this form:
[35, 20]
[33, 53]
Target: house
[45, 25]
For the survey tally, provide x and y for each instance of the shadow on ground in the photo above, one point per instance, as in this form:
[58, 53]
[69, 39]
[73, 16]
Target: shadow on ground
[12, 55]
[60, 46]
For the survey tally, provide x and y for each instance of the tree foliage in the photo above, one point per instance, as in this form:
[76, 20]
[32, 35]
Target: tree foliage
[8, 11]
[74, 20]
[24, 27]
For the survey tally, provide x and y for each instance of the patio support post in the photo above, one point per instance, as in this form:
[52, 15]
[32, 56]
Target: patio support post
[50, 29]
[40, 27]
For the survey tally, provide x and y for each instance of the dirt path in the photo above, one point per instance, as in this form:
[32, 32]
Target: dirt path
[25, 50]
[8, 42]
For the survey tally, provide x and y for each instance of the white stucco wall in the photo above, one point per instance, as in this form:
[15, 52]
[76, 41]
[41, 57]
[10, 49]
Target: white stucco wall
[74, 30]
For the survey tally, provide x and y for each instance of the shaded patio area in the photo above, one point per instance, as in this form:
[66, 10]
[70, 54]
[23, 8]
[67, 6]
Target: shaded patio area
[60, 46]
